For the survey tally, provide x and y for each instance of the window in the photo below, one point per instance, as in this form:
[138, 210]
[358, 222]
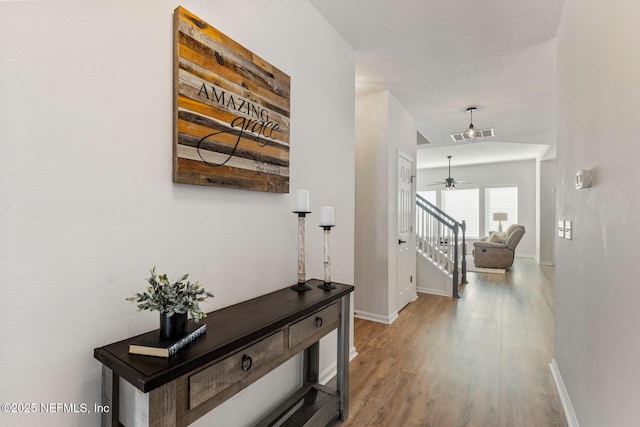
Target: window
[464, 205]
[500, 199]
[429, 195]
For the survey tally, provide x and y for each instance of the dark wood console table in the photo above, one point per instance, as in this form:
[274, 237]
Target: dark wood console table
[243, 343]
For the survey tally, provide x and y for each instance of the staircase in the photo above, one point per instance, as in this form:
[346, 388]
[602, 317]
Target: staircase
[441, 249]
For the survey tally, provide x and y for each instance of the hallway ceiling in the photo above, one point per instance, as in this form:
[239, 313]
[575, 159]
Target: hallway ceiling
[440, 57]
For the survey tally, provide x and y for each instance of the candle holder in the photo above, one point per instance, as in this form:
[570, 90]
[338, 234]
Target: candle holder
[327, 285]
[302, 286]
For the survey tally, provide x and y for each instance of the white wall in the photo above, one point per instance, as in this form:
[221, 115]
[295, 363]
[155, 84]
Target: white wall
[87, 200]
[546, 208]
[371, 209]
[507, 174]
[597, 293]
[383, 127]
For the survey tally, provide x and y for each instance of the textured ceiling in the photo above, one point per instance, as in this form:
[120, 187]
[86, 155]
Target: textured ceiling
[439, 57]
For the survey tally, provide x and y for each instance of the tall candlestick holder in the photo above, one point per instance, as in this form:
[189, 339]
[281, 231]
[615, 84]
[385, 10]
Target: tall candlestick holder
[301, 286]
[327, 285]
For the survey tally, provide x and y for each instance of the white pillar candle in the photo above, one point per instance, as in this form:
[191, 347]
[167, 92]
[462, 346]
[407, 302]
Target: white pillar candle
[302, 201]
[326, 215]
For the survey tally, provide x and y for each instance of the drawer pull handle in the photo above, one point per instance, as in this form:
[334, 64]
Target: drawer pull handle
[246, 362]
[318, 322]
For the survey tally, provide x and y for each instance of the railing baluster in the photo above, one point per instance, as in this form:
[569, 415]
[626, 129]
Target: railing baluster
[455, 267]
[449, 252]
[439, 242]
[428, 236]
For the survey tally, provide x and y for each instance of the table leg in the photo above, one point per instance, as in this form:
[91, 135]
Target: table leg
[343, 356]
[110, 398]
[311, 362]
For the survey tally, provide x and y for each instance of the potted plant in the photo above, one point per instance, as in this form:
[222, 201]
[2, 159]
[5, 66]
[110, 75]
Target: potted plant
[174, 301]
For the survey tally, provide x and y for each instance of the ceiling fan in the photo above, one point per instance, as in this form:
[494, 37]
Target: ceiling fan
[450, 183]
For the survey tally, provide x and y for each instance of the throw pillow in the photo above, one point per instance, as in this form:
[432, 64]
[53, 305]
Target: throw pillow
[495, 238]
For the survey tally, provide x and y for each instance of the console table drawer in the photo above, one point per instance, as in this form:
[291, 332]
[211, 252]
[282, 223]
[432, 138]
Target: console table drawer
[316, 325]
[244, 366]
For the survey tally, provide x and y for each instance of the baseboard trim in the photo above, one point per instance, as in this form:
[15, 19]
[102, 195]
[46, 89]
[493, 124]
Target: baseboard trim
[549, 263]
[525, 256]
[432, 292]
[569, 413]
[387, 320]
[332, 370]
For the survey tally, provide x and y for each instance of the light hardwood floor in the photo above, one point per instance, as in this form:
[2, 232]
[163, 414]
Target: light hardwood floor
[482, 360]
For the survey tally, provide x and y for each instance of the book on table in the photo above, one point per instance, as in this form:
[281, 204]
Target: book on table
[150, 344]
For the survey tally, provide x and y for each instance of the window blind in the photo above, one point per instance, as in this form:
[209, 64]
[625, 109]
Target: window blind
[464, 205]
[500, 199]
[429, 196]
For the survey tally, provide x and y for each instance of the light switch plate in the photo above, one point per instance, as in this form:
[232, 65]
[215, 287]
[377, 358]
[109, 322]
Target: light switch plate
[568, 230]
[561, 229]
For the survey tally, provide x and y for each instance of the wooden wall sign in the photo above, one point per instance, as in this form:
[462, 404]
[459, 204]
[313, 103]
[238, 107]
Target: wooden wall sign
[231, 112]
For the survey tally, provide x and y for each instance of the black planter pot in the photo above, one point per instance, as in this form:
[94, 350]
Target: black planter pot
[173, 326]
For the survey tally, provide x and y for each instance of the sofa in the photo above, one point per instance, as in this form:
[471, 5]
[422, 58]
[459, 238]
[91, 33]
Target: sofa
[498, 251]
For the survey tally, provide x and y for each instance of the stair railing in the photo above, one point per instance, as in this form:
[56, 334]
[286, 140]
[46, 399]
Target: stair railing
[441, 238]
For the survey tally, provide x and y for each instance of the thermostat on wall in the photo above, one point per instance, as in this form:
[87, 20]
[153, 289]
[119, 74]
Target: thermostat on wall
[583, 179]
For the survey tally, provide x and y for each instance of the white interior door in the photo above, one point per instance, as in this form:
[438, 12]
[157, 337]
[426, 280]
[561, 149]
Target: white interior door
[406, 257]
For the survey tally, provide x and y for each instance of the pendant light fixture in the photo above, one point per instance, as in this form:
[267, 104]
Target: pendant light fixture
[471, 132]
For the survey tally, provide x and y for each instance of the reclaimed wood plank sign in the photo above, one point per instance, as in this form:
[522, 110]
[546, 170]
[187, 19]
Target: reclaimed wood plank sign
[231, 112]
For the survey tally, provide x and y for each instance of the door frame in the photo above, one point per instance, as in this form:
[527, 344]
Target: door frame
[410, 240]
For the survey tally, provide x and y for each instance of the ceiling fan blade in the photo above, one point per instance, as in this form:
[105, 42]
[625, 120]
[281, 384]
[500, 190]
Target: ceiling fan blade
[436, 183]
[464, 182]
